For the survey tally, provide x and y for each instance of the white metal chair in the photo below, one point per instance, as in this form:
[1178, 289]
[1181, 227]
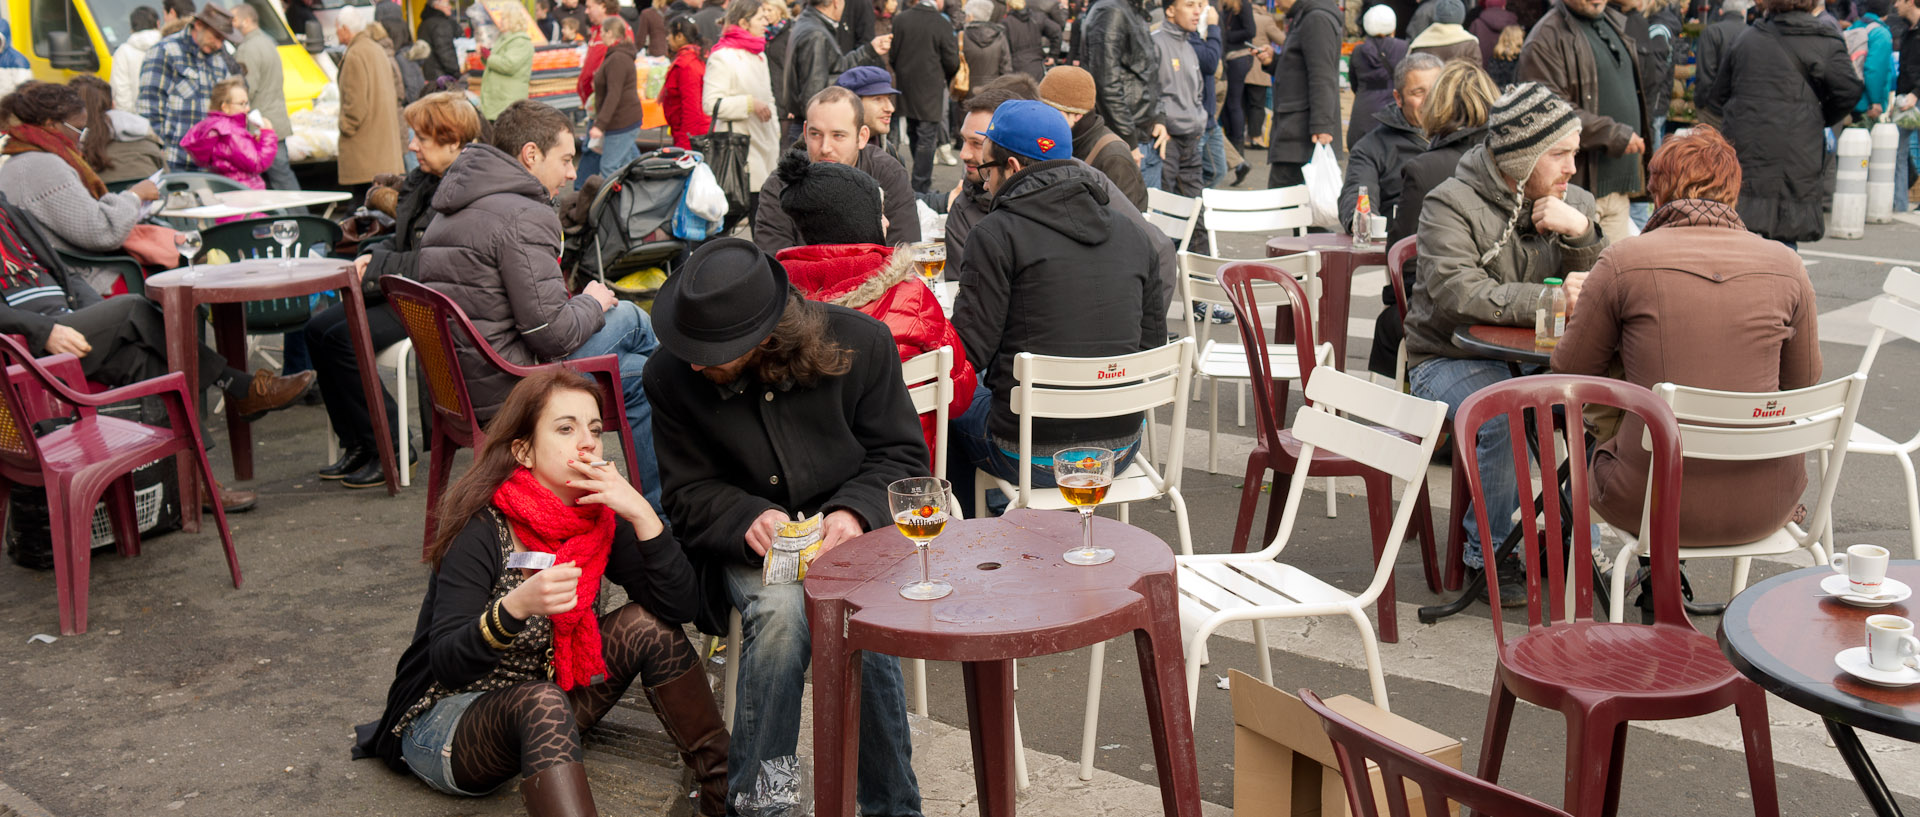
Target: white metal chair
[1227, 360]
[1088, 388]
[1217, 589]
[398, 357]
[1261, 212]
[1896, 311]
[1173, 213]
[929, 379]
[1746, 427]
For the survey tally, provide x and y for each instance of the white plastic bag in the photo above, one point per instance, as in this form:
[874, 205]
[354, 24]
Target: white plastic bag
[1323, 188]
[704, 196]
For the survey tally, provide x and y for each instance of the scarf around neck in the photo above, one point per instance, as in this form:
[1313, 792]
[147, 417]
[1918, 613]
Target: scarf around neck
[581, 534]
[738, 37]
[27, 138]
[1694, 213]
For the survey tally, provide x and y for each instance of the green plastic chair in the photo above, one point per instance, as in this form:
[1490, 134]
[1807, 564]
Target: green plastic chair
[125, 266]
[252, 238]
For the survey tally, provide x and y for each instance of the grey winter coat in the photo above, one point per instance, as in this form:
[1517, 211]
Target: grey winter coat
[1475, 216]
[988, 55]
[495, 250]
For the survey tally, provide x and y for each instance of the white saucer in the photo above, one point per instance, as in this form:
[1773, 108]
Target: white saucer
[1836, 586]
[1853, 662]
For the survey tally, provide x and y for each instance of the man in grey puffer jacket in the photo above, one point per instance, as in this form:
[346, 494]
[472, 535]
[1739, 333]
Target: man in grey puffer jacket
[1489, 237]
[495, 250]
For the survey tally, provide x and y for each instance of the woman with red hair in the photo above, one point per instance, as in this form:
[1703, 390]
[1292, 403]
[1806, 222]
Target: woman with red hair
[1696, 300]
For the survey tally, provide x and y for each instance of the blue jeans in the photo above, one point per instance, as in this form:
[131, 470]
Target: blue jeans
[775, 649]
[1150, 165]
[589, 165]
[617, 148]
[427, 744]
[628, 333]
[1903, 172]
[1451, 381]
[1213, 156]
[977, 448]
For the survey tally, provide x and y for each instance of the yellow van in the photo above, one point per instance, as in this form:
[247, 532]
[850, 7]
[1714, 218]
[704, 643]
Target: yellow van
[62, 38]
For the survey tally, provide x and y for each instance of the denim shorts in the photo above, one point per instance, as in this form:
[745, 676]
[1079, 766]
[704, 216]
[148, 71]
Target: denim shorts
[427, 743]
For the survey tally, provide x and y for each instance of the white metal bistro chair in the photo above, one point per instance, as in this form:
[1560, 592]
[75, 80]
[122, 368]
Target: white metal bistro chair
[929, 379]
[1172, 213]
[1897, 311]
[1748, 427]
[1218, 589]
[399, 357]
[1091, 388]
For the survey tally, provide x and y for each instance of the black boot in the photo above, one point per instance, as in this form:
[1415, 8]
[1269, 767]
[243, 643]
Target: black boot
[373, 474]
[351, 460]
[685, 706]
[558, 791]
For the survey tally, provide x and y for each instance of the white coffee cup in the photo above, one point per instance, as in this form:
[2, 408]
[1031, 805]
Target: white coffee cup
[1890, 642]
[1377, 226]
[1865, 567]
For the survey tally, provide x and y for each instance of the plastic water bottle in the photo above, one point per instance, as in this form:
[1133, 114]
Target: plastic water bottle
[1362, 229]
[1550, 315]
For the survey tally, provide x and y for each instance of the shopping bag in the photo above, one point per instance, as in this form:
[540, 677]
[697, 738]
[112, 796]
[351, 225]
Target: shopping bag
[1323, 188]
[726, 153]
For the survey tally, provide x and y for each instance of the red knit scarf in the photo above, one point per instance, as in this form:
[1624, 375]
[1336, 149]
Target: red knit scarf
[581, 534]
[27, 138]
[737, 37]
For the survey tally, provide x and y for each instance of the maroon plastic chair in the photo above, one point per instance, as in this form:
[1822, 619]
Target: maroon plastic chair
[1357, 746]
[1400, 258]
[1599, 675]
[89, 459]
[432, 319]
[1275, 448]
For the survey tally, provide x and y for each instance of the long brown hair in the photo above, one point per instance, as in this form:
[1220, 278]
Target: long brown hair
[98, 97]
[800, 350]
[516, 422]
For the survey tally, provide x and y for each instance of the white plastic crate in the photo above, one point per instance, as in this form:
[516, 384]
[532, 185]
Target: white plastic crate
[146, 509]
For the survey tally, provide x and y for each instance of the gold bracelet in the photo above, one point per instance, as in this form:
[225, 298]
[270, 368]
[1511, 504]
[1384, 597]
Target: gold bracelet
[486, 632]
[500, 627]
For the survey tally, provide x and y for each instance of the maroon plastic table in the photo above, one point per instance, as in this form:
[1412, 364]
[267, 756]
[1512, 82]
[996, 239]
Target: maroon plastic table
[227, 288]
[1782, 634]
[1012, 598]
[1338, 260]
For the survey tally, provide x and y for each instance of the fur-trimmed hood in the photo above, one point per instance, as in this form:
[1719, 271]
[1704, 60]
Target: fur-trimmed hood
[850, 275]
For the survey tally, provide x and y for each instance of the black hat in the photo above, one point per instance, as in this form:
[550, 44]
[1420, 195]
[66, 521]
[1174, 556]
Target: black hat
[721, 303]
[829, 202]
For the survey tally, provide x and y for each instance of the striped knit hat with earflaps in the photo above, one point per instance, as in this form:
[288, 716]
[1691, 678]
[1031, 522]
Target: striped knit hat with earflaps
[1526, 121]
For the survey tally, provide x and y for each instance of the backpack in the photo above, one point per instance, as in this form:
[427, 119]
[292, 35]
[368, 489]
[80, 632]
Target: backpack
[1856, 38]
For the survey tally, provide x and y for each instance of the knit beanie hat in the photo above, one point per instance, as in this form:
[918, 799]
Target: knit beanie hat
[1379, 21]
[1068, 88]
[1450, 11]
[1526, 121]
[829, 202]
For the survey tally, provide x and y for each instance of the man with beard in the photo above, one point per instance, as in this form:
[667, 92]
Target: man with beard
[836, 131]
[1582, 52]
[1489, 239]
[769, 405]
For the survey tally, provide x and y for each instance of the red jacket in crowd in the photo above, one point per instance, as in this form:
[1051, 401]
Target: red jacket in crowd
[596, 54]
[680, 96]
[883, 283]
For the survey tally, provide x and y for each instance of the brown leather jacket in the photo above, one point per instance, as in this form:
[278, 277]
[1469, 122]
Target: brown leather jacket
[1558, 56]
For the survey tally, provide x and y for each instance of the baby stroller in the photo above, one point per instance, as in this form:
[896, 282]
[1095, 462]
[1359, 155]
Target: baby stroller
[626, 229]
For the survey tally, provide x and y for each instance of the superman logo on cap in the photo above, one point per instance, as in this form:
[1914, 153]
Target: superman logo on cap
[1044, 143]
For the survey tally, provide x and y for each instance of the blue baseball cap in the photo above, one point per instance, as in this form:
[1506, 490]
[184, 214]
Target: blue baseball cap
[1030, 129]
[867, 80]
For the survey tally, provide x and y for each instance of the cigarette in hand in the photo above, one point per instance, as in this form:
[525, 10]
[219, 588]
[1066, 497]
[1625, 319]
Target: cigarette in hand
[599, 463]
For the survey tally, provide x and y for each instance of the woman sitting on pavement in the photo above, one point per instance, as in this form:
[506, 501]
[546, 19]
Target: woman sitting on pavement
[442, 124]
[45, 175]
[1640, 320]
[119, 145]
[509, 664]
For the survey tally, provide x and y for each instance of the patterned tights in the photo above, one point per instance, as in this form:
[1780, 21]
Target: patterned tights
[536, 725]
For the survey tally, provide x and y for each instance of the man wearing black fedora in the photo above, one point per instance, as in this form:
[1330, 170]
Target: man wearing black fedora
[768, 405]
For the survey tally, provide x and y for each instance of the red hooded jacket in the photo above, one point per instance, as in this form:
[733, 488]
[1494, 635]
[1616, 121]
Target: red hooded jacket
[680, 96]
[883, 283]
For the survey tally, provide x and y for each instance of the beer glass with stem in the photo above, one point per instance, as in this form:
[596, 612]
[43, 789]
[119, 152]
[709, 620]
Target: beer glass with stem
[921, 507]
[1084, 475]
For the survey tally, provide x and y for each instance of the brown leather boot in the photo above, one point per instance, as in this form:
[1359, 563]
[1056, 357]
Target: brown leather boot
[558, 791]
[685, 706]
[268, 392]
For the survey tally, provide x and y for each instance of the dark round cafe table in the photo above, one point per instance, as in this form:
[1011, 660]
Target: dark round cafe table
[1513, 344]
[1338, 260]
[1783, 634]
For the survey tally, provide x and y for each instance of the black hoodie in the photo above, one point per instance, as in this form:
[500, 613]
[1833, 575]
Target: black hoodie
[1057, 268]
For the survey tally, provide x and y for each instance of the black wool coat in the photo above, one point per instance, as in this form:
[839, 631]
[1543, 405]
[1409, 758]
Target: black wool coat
[1306, 82]
[925, 56]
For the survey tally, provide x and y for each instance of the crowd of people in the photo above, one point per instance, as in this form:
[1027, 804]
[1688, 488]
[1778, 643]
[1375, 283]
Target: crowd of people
[1514, 142]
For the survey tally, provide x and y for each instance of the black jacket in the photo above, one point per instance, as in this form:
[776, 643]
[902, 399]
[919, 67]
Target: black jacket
[1031, 37]
[36, 326]
[439, 31]
[925, 56]
[1376, 162]
[727, 456]
[1420, 174]
[1909, 79]
[398, 255]
[813, 61]
[393, 18]
[1057, 268]
[1783, 81]
[1712, 48]
[710, 18]
[1114, 45]
[856, 24]
[447, 647]
[1306, 82]
[1115, 158]
[773, 229]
